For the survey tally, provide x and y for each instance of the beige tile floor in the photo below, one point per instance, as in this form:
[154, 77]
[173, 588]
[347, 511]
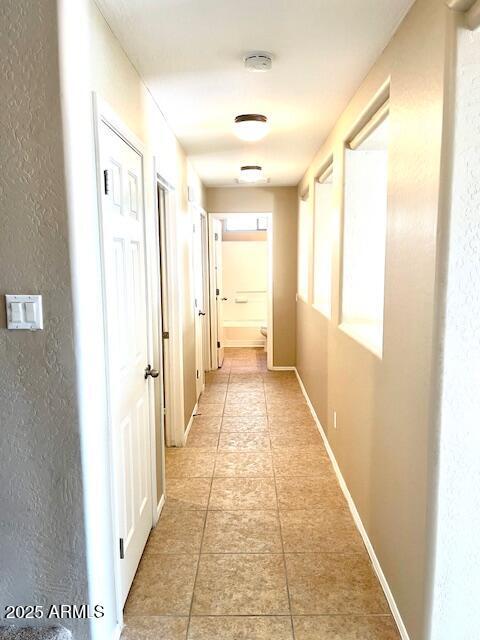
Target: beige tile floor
[255, 541]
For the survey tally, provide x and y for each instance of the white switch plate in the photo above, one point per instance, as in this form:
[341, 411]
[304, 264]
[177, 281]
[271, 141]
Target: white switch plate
[24, 312]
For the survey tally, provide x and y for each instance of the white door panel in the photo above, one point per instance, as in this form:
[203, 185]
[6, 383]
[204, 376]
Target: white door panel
[199, 307]
[125, 285]
[217, 228]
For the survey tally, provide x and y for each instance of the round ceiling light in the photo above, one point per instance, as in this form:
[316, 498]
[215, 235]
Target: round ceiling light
[251, 173]
[250, 127]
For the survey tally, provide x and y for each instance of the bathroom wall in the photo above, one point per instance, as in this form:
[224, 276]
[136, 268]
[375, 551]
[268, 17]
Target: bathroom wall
[245, 275]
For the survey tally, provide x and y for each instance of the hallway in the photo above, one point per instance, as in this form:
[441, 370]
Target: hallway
[255, 540]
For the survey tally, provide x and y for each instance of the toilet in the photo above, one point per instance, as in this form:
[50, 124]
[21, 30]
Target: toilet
[263, 331]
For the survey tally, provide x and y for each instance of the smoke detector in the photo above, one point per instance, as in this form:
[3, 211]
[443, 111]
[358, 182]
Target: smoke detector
[258, 61]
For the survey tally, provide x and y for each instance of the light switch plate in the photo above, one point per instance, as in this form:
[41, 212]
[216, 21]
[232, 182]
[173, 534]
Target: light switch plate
[24, 312]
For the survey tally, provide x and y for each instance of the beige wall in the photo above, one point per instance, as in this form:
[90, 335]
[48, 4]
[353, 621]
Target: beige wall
[383, 413]
[282, 202]
[116, 81]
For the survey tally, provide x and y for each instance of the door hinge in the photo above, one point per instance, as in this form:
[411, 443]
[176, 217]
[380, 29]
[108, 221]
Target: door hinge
[106, 184]
[198, 375]
[164, 411]
[218, 344]
[165, 335]
[217, 292]
[216, 236]
[193, 228]
[122, 551]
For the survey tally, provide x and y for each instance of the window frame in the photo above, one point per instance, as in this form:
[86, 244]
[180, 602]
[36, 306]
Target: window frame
[361, 333]
[325, 176]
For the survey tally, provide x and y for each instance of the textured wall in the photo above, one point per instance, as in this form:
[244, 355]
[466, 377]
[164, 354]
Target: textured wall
[457, 578]
[42, 554]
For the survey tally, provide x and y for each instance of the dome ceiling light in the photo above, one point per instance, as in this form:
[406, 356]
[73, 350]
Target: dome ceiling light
[251, 173]
[250, 127]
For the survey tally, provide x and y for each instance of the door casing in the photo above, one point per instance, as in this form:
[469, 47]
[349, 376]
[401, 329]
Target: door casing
[212, 322]
[174, 418]
[103, 113]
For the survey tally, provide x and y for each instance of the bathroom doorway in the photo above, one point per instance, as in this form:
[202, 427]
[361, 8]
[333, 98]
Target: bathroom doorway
[240, 283]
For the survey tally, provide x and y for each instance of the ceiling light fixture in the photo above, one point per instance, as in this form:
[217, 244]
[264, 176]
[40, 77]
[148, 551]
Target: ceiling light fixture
[251, 173]
[250, 127]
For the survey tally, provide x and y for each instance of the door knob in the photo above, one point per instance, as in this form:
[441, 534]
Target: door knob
[224, 299]
[154, 373]
[202, 313]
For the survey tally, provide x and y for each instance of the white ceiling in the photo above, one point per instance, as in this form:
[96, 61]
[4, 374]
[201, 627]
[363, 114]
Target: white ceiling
[189, 53]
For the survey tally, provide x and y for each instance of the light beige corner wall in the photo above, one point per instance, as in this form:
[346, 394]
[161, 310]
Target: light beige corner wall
[383, 413]
[115, 80]
[282, 202]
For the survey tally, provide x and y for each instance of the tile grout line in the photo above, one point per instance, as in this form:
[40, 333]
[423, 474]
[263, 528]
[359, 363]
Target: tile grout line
[279, 522]
[204, 527]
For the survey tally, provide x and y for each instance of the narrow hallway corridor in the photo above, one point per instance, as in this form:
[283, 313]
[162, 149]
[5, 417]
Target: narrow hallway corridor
[255, 541]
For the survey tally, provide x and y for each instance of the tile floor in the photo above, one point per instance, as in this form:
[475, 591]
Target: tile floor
[255, 541]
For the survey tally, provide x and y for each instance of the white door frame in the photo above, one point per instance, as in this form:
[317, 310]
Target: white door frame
[270, 327]
[198, 215]
[174, 418]
[206, 289]
[103, 113]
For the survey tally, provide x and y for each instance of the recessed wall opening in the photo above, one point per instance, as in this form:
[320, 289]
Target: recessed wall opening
[322, 242]
[364, 232]
[304, 244]
[240, 282]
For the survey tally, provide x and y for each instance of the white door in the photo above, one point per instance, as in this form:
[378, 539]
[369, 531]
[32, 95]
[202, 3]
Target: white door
[219, 297]
[199, 305]
[126, 306]
[164, 310]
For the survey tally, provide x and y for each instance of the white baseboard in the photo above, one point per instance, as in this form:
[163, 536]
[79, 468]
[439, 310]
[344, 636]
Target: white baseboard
[273, 368]
[189, 425]
[117, 632]
[160, 506]
[244, 343]
[358, 521]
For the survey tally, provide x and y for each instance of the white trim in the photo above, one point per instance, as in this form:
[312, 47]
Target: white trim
[357, 519]
[160, 506]
[212, 297]
[190, 423]
[174, 419]
[369, 127]
[117, 631]
[270, 327]
[102, 112]
[245, 343]
[283, 369]
[207, 351]
[270, 323]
